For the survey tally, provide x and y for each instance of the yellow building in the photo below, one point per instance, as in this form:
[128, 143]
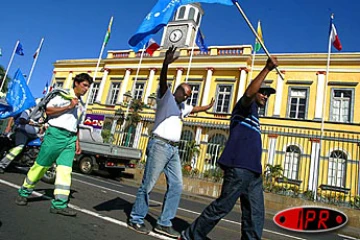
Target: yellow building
[310, 127]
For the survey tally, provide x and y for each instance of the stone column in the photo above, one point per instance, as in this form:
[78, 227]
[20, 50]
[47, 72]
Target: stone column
[278, 95]
[124, 84]
[242, 82]
[272, 148]
[69, 82]
[320, 90]
[205, 98]
[179, 72]
[314, 164]
[137, 135]
[102, 85]
[149, 84]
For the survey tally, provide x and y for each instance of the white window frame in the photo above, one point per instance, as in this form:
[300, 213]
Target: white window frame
[306, 90]
[114, 93]
[224, 94]
[342, 100]
[291, 163]
[94, 92]
[139, 90]
[337, 169]
[191, 100]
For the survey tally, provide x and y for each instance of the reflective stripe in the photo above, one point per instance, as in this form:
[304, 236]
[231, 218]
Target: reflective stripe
[29, 182]
[14, 152]
[62, 187]
[250, 126]
[61, 197]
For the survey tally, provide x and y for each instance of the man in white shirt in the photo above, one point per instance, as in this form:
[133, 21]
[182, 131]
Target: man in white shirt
[60, 145]
[163, 153]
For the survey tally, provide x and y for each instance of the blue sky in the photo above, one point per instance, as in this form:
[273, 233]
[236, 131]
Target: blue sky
[74, 29]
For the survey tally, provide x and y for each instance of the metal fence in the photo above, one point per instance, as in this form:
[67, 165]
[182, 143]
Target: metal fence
[296, 162]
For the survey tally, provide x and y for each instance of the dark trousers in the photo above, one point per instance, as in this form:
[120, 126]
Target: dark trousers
[238, 182]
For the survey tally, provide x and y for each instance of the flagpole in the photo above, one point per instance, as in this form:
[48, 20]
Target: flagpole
[315, 182]
[35, 60]
[8, 67]
[132, 94]
[256, 35]
[96, 70]
[191, 55]
[253, 56]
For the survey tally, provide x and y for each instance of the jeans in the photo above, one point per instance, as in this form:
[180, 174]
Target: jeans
[161, 157]
[238, 182]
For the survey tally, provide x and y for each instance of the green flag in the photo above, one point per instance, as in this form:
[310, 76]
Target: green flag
[259, 33]
[108, 32]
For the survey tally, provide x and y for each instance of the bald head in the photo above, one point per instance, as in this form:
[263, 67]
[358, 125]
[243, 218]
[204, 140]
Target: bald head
[182, 92]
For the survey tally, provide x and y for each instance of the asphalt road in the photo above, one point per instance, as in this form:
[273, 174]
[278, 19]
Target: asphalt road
[103, 207]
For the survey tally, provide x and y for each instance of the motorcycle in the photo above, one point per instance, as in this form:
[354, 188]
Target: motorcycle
[27, 157]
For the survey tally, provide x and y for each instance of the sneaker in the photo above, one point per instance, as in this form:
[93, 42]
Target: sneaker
[138, 227]
[63, 211]
[182, 236]
[167, 231]
[21, 201]
[2, 171]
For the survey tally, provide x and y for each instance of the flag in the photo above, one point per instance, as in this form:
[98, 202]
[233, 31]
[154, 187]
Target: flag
[108, 32]
[19, 50]
[37, 51]
[334, 38]
[18, 97]
[52, 87]
[152, 46]
[159, 16]
[200, 41]
[0, 52]
[45, 91]
[259, 33]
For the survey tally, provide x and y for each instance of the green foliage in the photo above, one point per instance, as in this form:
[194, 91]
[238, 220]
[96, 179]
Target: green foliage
[7, 80]
[215, 174]
[106, 134]
[271, 174]
[193, 149]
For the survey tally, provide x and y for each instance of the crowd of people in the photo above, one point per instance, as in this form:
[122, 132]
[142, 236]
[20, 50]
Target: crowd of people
[242, 172]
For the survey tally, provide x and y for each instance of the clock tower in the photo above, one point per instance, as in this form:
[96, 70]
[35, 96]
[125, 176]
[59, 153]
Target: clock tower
[180, 32]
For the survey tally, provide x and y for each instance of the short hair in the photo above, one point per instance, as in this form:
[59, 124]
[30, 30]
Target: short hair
[82, 77]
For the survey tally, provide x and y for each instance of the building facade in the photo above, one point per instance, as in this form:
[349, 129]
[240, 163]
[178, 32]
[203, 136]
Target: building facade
[310, 128]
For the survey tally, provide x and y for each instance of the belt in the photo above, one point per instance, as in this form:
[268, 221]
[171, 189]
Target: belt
[172, 143]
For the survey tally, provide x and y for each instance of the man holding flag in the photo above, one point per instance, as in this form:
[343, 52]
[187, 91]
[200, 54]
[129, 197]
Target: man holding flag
[241, 162]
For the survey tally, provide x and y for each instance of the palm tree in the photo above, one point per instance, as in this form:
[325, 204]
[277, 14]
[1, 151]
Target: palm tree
[2, 74]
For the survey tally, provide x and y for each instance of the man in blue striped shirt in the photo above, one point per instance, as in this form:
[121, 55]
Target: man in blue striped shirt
[241, 162]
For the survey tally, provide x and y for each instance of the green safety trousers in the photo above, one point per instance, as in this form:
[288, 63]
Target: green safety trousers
[58, 147]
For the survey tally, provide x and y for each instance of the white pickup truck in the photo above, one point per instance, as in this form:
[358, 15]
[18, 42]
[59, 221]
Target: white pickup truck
[96, 155]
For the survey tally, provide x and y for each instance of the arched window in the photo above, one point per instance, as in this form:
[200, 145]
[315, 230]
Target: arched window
[214, 149]
[291, 165]
[337, 168]
[192, 14]
[182, 12]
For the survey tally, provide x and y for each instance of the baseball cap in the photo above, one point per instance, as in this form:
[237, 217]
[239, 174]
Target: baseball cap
[266, 89]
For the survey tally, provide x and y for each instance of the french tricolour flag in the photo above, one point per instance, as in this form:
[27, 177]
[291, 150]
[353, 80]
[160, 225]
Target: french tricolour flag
[334, 38]
[45, 91]
[152, 46]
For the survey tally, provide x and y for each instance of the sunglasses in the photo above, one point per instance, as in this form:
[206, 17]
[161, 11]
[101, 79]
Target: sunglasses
[265, 92]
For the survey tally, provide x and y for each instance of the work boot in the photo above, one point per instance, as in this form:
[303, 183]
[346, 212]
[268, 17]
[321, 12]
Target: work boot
[63, 211]
[138, 227]
[21, 201]
[167, 231]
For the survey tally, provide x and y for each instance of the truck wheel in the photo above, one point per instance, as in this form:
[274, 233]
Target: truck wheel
[86, 165]
[50, 175]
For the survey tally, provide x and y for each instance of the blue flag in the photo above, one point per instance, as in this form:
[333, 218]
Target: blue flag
[200, 42]
[159, 17]
[18, 97]
[19, 50]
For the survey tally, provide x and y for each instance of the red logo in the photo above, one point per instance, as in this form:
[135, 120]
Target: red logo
[310, 219]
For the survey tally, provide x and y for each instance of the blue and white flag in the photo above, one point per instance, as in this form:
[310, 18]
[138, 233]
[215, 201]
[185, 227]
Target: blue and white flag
[159, 16]
[19, 50]
[200, 42]
[18, 97]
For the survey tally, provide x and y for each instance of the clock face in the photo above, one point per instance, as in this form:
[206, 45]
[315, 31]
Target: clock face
[175, 35]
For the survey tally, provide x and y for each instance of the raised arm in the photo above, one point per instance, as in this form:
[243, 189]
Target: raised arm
[255, 85]
[203, 108]
[169, 58]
